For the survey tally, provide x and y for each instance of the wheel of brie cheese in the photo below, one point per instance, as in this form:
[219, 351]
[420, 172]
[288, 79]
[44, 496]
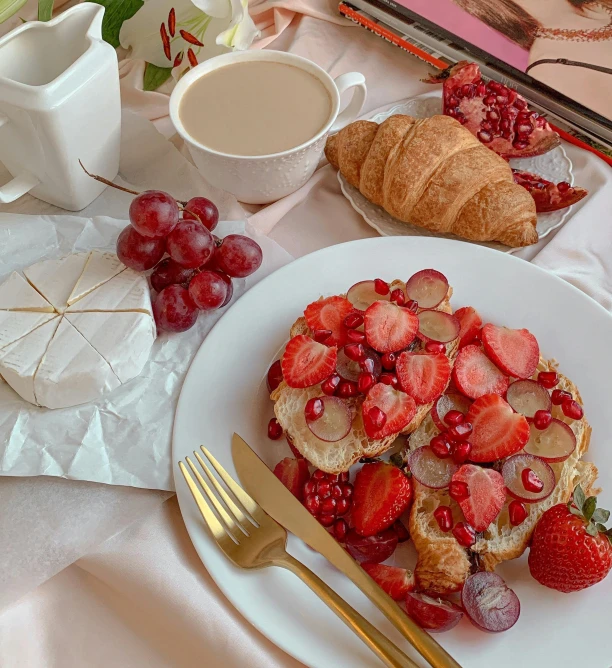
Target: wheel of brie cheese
[74, 329]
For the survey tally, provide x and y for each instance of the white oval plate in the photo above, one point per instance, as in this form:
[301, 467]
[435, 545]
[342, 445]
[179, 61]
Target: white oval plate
[554, 166]
[225, 392]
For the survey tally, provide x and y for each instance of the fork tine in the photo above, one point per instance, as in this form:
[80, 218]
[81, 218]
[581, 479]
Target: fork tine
[233, 508]
[251, 506]
[230, 524]
[209, 517]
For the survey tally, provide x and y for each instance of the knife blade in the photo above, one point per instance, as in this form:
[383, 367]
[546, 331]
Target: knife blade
[261, 483]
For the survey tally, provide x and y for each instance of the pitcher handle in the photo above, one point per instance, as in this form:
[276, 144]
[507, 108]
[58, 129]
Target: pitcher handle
[354, 80]
[18, 186]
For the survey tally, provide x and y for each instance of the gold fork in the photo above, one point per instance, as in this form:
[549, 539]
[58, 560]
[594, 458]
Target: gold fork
[252, 539]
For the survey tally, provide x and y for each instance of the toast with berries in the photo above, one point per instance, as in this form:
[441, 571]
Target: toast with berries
[444, 560]
[318, 369]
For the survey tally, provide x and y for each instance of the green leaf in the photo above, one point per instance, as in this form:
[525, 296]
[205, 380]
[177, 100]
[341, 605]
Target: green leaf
[602, 528]
[591, 529]
[601, 515]
[579, 497]
[117, 11]
[589, 508]
[10, 7]
[45, 10]
[575, 511]
[155, 76]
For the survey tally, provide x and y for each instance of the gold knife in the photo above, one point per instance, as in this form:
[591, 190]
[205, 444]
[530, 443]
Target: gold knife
[261, 483]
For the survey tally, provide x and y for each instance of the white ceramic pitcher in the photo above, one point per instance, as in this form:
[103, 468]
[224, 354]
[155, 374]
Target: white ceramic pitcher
[59, 103]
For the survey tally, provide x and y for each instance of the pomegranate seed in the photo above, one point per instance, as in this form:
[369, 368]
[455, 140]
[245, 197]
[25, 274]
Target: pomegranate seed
[519, 103]
[563, 187]
[377, 417]
[412, 305]
[365, 382]
[347, 389]
[336, 491]
[380, 287]
[485, 137]
[444, 518]
[453, 101]
[542, 419]
[319, 475]
[524, 129]
[531, 481]
[342, 506]
[312, 503]
[344, 476]
[340, 529]
[330, 385]
[548, 379]
[324, 488]
[353, 320]
[458, 490]
[468, 90]
[435, 347]
[572, 409]
[347, 490]
[504, 124]
[398, 296]
[559, 396]
[314, 409]
[517, 513]
[502, 100]
[367, 365]
[519, 145]
[355, 336]
[388, 361]
[327, 520]
[328, 505]
[354, 351]
[464, 534]
[481, 89]
[460, 432]
[489, 100]
[310, 487]
[400, 530]
[321, 335]
[389, 379]
[440, 446]
[275, 431]
[454, 417]
[460, 452]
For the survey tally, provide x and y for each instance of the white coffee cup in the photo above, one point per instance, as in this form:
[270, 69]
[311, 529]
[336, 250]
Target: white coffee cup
[261, 179]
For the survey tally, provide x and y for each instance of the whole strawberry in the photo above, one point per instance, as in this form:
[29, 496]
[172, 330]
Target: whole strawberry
[571, 549]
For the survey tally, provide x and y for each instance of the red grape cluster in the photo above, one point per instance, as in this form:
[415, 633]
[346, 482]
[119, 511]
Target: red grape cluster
[198, 274]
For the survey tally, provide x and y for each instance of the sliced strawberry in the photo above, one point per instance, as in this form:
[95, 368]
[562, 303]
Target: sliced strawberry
[423, 375]
[475, 375]
[382, 493]
[306, 362]
[487, 495]
[397, 582]
[515, 351]
[294, 474]
[471, 322]
[328, 314]
[389, 327]
[497, 431]
[399, 409]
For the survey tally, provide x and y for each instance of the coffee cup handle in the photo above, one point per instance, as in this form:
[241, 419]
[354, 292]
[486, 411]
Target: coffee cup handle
[354, 80]
[18, 186]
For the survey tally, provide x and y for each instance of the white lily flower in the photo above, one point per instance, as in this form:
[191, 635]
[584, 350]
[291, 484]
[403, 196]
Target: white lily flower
[202, 29]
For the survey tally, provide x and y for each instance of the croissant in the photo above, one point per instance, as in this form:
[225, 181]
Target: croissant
[435, 174]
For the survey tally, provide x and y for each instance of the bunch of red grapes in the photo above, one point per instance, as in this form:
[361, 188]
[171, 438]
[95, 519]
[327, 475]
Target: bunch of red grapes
[198, 274]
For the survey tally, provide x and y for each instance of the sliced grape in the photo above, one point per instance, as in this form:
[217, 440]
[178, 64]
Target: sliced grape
[527, 397]
[363, 294]
[371, 549]
[448, 402]
[433, 614]
[351, 370]
[553, 444]
[489, 603]
[428, 287]
[430, 470]
[335, 423]
[438, 326]
[512, 471]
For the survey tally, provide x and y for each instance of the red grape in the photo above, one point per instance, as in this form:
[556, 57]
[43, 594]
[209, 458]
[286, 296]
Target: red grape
[138, 252]
[208, 290]
[202, 209]
[190, 244]
[174, 309]
[238, 256]
[373, 549]
[169, 272]
[230, 287]
[154, 213]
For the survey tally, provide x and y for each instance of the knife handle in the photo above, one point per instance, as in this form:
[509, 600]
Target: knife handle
[386, 651]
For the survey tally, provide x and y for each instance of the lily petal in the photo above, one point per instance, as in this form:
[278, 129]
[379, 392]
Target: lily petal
[242, 30]
[216, 8]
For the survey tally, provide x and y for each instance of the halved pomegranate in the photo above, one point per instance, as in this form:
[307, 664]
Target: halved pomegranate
[448, 402]
[513, 469]
[438, 326]
[527, 397]
[430, 470]
[494, 113]
[363, 294]
[553, 444]
[427, 287]
[547, 195]
[334, 423]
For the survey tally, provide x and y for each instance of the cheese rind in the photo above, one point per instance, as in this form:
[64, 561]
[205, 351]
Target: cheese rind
[14, 325]
[16, 294]
[99, 269]
[55, 279]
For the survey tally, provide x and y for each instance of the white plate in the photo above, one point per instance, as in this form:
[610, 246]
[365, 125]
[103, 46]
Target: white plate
[554, 166]
[225, 392]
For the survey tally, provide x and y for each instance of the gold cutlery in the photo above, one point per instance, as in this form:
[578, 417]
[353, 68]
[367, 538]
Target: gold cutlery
[281, 505]
[252, 539]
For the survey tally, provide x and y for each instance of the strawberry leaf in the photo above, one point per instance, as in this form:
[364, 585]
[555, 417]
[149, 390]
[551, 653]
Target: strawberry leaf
[575, 511]
[601, 515]
[579, 497]
[601, 528]
[591, 529]
[589, 508]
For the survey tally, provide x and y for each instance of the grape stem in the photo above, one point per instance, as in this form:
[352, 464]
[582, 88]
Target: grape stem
[114, 185]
